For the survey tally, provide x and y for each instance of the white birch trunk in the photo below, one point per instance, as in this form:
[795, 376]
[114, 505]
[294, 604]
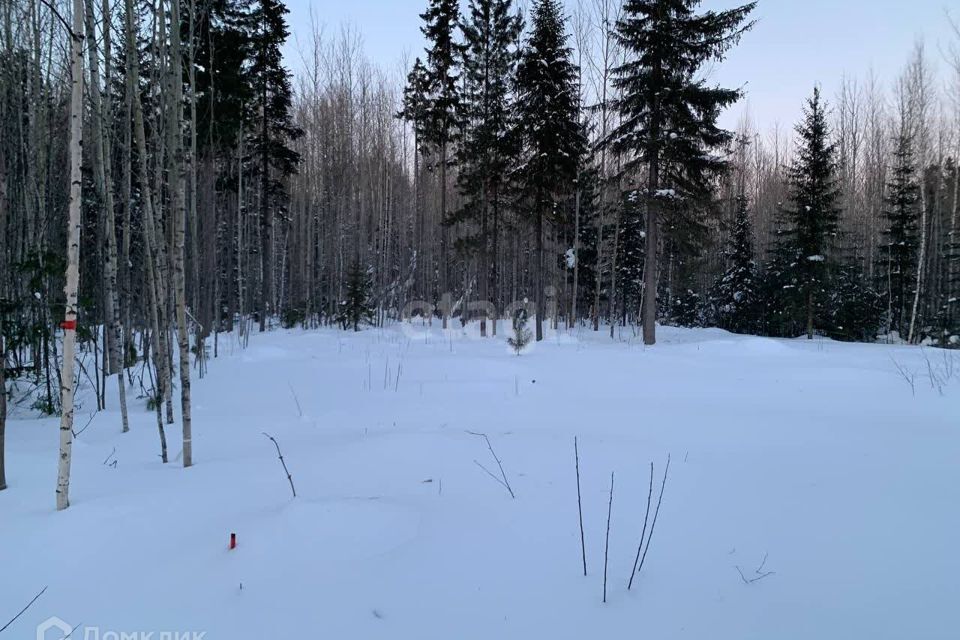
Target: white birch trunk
[73, 260]
[179, 221]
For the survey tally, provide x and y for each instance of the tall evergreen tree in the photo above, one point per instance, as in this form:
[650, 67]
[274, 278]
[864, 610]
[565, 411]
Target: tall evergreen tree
[813, 220]
[270, 146]
[414, 111]
[548, 122]
[442, 99]
[488, 147]
[668, 111]
[898, 254]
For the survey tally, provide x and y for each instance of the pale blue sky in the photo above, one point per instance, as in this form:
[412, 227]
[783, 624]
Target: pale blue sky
[796, 43]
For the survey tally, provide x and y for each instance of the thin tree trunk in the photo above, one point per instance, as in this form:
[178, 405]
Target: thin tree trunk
[3, 413]
[151, 245]
[539, 292]
[495, 256]
[576, 256]
[921, 260]
[650, 267]
[444, 284]
[180, 227]
[193, 222]
[613, 271]
[72, 287]
[126, 271]
[104, 174]
[240, 222]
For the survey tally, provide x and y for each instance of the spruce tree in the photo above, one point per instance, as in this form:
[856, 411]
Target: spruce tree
[668, 111]
[521, 334]
[899, 252]
[734, 297]
[853, 308]
[549, 126]
[415, 105]
[414, 111]
[809, 242]
[488, 149]
[442, 99]
[781, 308]
[356, 307]
[273, 132]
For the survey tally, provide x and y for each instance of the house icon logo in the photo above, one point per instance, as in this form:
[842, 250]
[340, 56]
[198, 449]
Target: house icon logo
[60, 629]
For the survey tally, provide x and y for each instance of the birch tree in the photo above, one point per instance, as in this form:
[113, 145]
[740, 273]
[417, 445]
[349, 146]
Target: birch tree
[178, 171]
[73, 259]
[103, 169]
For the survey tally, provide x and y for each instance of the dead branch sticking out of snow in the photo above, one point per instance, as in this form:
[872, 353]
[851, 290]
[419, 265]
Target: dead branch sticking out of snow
[285, 470]
[940, 374]
[656, 513]
[583, 545]
[296, 399]
[906, 374]
[503, 476]
[606, 548]
[22, 611]
[643, 533]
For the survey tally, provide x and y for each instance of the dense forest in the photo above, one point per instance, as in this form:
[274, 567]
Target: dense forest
[165, 180]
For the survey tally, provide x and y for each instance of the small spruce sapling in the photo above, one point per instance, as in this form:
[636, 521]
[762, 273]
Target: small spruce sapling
[521, 334]
[357, 307]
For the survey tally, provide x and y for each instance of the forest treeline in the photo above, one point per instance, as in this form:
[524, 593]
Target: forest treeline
[568, 154]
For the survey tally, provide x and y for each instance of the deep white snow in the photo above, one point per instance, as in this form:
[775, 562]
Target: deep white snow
[818, 456]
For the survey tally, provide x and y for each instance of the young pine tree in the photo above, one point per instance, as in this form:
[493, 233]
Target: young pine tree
[357, 308]
[487, 151]
[899, 251]
[521, 334]
[668, 112]
[548, 121]
[808, 244]
[734, 297]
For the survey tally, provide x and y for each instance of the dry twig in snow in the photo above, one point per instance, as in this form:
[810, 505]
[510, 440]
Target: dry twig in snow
[503, 476]
[285, 470]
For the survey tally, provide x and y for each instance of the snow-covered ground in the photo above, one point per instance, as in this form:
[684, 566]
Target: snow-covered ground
[817, 456]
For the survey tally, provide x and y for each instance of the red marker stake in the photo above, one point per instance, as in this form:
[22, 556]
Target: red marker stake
[233, 541]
